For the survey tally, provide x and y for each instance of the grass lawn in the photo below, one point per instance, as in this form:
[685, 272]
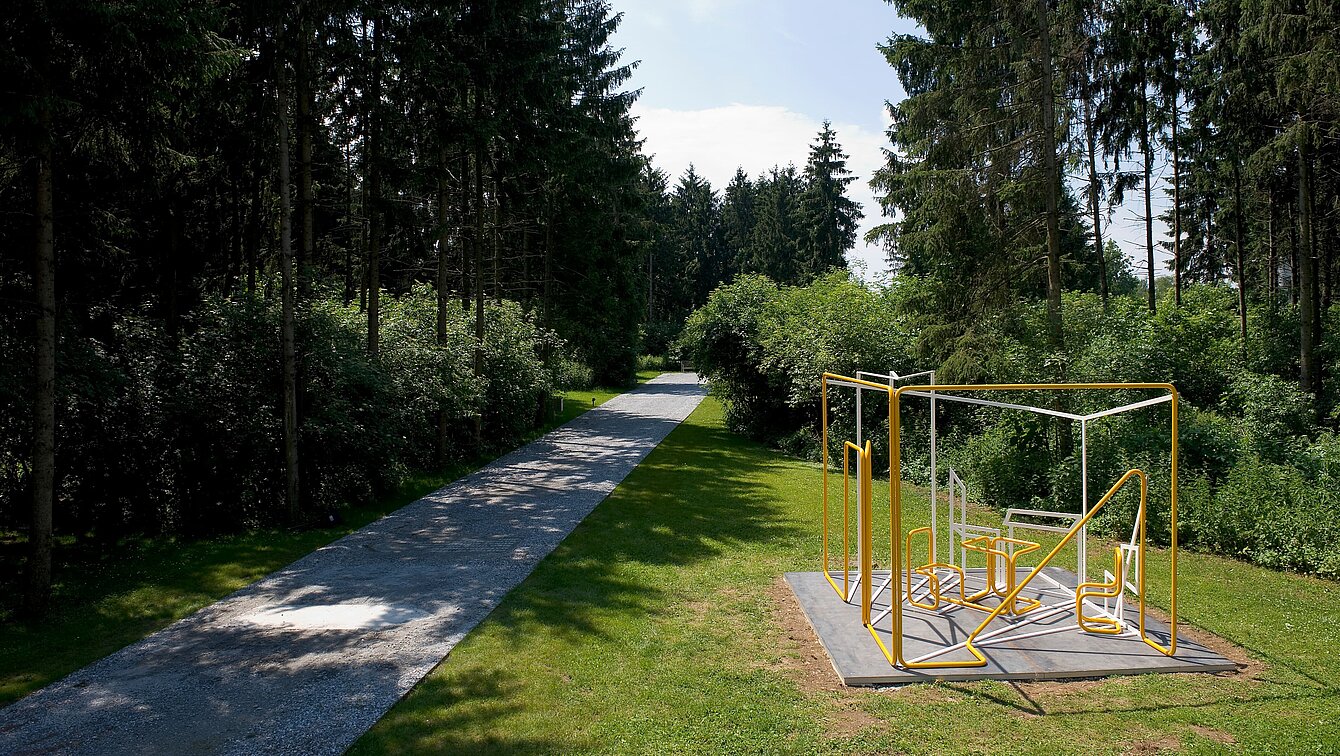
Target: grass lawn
[660, 626]
[105, 601]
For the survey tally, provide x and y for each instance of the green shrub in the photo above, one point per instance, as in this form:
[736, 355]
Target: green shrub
[570, 374]
[1253, 484]
[1007, 465]
[656, 362]
[1276, 414]
[184, 436]
[515, 381]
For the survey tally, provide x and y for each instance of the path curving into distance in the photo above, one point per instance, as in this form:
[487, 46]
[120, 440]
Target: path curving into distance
[308, 658]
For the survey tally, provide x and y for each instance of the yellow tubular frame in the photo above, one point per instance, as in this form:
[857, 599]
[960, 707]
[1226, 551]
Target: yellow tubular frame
[927, 570]
[823, 403]
[895, 655]
[990, 546]
[866, 522]
[1100, 625]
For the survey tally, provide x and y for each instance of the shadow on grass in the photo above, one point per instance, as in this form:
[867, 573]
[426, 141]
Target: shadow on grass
[437, 718]
[1305, 694]
[105, 598]
[694, 498]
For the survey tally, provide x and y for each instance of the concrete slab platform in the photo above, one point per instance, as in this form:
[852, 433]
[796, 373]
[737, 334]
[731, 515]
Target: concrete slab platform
[1063, 652]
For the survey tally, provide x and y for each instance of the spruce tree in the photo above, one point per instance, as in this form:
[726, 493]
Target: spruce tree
[738, 216]
[827, 215]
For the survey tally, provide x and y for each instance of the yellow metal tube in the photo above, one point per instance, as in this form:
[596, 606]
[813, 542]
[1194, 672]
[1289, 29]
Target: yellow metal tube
[894, 654]
[1144, 488]
[1108, 590]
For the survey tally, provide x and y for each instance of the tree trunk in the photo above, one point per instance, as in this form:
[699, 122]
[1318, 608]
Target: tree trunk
[466, 241]
[1237, 247]
[497, 245]
[479, 264]
[254, 235]
[1328, 268]
[349, 216]
[548, 254]
[1149, 181]
[443, 289]
[479, 260]
[235, 261]
[1052, 177]
[44, 374]
[291, 488]
[375, 192]
[1055, 333]
[1090, 138]
[306, 126]
[1177, 207]
[1293, 254]
[1272, 275]
[1307, 302]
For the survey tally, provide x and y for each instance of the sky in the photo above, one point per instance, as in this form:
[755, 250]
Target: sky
[748, 83]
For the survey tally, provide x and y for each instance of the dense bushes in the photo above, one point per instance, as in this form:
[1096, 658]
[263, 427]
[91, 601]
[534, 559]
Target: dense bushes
[1258, 475]
[185, 437]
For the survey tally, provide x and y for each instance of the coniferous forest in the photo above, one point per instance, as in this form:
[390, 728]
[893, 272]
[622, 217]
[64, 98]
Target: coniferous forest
[260, 261]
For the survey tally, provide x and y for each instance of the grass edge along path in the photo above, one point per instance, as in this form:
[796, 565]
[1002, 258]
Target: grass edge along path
[103, 604]
[656, 626]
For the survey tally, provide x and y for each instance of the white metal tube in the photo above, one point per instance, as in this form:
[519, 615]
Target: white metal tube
[935, 532]
[1083, 557]
[990, 403]
[1128, 407]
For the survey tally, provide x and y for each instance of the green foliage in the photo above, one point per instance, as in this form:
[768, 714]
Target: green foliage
[656, 363]
[830, 216]
[723, 340]
[515, 381]
[185, 438]
[1008, 462]
[1273, 514]
[570, 374]
[1255, 483]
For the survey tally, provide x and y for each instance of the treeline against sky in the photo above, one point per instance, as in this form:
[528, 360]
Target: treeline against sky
[788, 224]
[1005, 274]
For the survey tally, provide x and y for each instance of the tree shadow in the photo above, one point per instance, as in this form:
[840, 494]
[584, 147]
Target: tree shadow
[693, 499]
[222, 679]
[1305, 695]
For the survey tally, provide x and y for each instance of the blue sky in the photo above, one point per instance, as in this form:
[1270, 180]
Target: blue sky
[748, 82]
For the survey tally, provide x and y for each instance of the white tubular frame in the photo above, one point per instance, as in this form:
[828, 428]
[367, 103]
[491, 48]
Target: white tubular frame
[1083, 420]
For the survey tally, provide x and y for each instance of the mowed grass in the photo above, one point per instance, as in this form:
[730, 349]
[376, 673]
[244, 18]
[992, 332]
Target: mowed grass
[658, 626]
[105, 600]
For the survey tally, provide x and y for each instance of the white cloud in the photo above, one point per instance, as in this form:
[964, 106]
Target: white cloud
[698, 11]
[703, 10]
[757, 137]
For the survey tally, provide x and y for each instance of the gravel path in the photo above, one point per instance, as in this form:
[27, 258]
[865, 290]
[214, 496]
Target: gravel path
[307, 659]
